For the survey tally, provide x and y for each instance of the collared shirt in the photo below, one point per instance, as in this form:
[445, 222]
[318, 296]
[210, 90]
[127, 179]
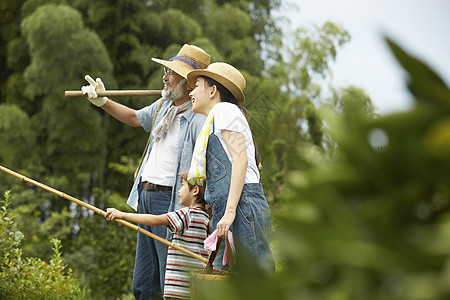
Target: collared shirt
[190, 126]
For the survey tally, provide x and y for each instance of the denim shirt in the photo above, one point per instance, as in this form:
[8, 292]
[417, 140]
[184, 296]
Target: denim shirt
[190, 126]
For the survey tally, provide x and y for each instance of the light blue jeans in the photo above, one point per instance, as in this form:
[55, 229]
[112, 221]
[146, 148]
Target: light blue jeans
[151, 255]
[252, 226]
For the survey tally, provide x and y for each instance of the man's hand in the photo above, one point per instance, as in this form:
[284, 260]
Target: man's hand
[92, 89]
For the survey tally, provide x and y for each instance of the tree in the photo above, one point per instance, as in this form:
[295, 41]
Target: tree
[61, 51]
[77, 148]
[292, 98]
[16, 132]
[9, 30]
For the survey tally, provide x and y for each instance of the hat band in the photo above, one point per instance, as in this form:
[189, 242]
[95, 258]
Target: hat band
[189, 60]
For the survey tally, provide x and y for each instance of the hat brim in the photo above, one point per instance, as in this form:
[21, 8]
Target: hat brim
[176, 66]
[231, 86]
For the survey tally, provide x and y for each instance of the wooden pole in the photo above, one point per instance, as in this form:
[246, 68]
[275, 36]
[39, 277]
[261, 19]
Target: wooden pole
[102, 212]
[118, 93]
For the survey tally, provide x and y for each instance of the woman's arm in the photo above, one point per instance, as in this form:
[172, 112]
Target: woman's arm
[235, 142]
[144, 219]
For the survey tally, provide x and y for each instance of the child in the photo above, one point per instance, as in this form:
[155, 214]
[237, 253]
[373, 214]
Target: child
[189, 226]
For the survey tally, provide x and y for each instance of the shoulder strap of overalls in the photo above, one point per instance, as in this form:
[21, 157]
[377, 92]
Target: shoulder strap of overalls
[149, 138]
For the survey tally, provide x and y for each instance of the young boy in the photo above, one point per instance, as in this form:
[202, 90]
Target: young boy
[189, 226]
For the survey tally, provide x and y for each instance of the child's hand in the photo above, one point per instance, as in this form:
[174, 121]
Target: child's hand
[113, 214]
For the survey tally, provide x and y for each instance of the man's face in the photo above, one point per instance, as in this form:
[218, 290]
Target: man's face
[173, 85]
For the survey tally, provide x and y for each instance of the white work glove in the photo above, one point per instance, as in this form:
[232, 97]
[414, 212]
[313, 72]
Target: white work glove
[92, 89]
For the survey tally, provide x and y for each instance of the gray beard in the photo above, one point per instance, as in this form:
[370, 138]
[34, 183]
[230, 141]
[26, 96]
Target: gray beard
[174, 93]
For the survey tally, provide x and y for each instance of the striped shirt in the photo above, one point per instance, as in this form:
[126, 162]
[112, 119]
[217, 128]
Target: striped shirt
[189, 226]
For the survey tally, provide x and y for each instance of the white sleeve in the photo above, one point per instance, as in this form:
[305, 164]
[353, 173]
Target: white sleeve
[229, 117]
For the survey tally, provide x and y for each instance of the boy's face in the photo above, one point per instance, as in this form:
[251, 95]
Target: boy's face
[187, 197]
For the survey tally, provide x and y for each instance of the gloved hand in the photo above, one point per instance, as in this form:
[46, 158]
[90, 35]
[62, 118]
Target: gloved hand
[92, 89]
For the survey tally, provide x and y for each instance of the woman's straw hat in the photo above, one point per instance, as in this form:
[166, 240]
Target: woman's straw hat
[188, 58]
[225, 74]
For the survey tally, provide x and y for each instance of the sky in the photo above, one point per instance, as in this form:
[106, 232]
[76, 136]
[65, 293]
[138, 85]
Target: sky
[421, 27]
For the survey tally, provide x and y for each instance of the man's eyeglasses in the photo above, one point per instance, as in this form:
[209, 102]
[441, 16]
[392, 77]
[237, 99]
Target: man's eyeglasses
[169, 72]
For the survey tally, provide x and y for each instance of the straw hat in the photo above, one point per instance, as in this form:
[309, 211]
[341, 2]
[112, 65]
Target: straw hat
[188, 58]
[225, 74]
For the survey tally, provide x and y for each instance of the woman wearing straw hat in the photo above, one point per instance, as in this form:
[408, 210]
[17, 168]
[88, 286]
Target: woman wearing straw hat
[224, 157]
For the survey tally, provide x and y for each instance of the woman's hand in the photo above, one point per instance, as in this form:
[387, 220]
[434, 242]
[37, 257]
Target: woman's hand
[225, 223]
[113, 214]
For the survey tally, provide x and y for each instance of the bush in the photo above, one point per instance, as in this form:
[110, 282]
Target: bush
[31, 277]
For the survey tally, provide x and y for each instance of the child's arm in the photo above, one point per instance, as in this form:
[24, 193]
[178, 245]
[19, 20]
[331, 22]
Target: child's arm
[144, 219]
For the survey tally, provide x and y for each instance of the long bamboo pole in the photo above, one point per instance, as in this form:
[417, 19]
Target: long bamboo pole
[102, 212]
[117, 93]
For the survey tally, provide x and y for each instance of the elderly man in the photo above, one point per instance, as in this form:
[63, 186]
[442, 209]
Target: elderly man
[173, 131]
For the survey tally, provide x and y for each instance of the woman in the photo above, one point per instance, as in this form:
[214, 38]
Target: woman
[224, 156]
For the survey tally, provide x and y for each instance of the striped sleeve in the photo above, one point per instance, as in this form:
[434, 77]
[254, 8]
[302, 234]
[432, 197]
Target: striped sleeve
[179, 220]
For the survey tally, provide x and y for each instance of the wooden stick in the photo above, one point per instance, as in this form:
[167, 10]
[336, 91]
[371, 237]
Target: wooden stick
[118, 93]
[102, 212]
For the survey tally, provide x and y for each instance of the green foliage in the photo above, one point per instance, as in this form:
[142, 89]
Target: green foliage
[60, 49]
[370, 221]
[352, 94]
[312, 52]
[230, 32]
[179, 27]
[15, 132]
[104, 252]
[30, 6]
[10, 237]
[126, 166]
[9, 30]
[76, 148]
[30, 277]
[292, 94]
[127, 28]
[18, 60]
[230, 23]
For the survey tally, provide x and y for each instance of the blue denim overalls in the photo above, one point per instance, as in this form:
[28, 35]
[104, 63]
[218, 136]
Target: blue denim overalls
[252, 225]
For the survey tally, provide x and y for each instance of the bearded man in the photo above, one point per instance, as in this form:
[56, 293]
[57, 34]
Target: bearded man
[173, 131]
